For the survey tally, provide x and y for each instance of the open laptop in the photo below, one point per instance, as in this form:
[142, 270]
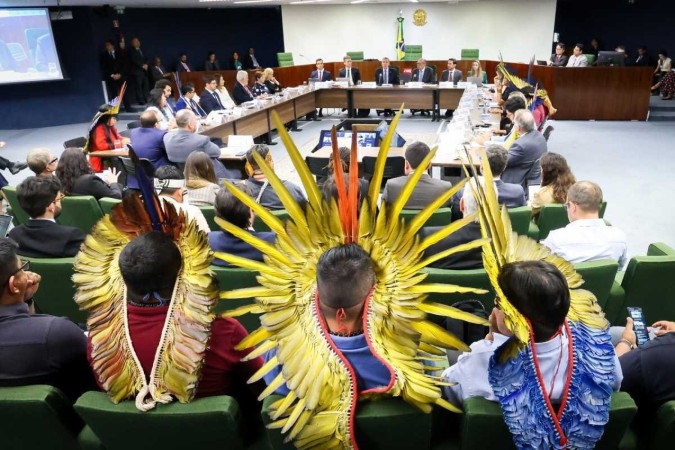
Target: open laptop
[475, 80]
[542, 62]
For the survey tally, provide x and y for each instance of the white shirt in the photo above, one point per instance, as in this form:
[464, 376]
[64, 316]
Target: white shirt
[191, 211]
[165, 115]
[577, 61]
[225, 98]
[588, 240]
[471, 370]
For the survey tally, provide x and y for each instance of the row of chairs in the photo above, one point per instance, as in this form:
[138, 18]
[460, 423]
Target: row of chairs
[412, 53]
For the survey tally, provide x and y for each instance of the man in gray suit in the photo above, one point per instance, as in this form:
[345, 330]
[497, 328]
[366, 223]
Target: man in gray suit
[427, 189]
[524, 155]
[180, 144]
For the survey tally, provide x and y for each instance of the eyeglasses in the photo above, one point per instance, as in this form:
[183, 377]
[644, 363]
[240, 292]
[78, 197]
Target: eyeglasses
[53, 160]
[566, 205]
[25, 267]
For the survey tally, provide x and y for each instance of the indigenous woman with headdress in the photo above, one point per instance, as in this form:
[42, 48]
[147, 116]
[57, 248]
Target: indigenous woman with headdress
[103, 136]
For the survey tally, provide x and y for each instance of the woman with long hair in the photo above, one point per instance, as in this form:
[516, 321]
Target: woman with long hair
[221, 91]
[200, 180]
[104, 136]
[78, 178]
[477, 71]
[236, 62]
[556, 179]
[159, 104]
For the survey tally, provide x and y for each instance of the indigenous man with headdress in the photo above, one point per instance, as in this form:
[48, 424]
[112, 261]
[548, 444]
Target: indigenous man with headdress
[507, 81]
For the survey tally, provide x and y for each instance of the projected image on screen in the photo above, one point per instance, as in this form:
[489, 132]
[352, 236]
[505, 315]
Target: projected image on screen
[27, 50]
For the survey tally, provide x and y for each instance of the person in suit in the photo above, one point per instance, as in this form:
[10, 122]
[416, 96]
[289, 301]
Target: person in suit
[138, 74]
[148, 143]
[41, 236]
[260, 187]
[320, 74]
[469, 259]
[578, 59]
[352, 73]
[182, 64]
[558, 59]
[453, 75]
[230, 208]
[186, 101]
[643, 59]
[157, 71]
[240, 92]
[180, 144]
[251, 61]
[423, 74]
[427, 190]
[386, 75]
[113, 67]
[78, 178]
[209, 101]
[212, 63]
[525, 152]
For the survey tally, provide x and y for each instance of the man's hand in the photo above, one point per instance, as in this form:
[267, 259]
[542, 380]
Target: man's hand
[666, 327]
[628, 332]
[32, 285]
[145, 66]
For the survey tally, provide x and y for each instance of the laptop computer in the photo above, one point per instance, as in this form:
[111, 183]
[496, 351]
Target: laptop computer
[475, 80]
[542, 62]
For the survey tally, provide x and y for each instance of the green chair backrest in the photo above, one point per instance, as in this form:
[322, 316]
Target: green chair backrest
[590, 58]
[470, 53]
[230, 278]
[412, 52]
[662, 430]
[57, 291]
[598, 278]
[107, 203]
[483, 425]
[647, 283]
[356, 56]
[81, 211]
[475, 278]
[520, 219]
[37, 417]
[211, 422]
[20, 216]
[210, 216]
[660, 249]
[259, 225]
[442, 217]
[554, 216]
[381, 424]
[285, 59]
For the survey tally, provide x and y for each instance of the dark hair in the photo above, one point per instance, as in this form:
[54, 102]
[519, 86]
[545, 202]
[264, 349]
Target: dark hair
[663, 52]
[235, 53]
[211, 52]
[581, 47]
[210, 78]
[643, 47]
[168, 173]
[258, 75]
[37, 193]
[555, 172]
[497, 157]
[150, 263]
[187, 88]
[232, 209]
[561, 45]
[161, 84]
[513, 104]
[181, 54]
[156, 97]
[261, 149]
[8, 262]
[318, 59]
[454, 61]
[345, 158]
[345, 274]
[148, 119]
[199, 165]
[73, 164]
[539, 291]
[108, 42]
[415, 153]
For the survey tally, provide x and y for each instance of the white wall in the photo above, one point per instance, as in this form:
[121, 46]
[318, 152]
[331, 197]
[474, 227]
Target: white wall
[517, 28]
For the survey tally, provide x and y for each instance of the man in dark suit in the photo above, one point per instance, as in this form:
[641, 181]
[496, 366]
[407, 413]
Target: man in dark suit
[387, 75]
[427, 189]
[138, 74]
[452, 75]
[525, 153]
[558, 59]
[157, 71]
[251, 62]
[354, 77]
[209, 101]
[41, 236]
[113, 66]
[423, 74]
[233, 210]
[470, 259]
[182, 64]
[319, 75]
[148, 142]
[643, 59]
[240, 91]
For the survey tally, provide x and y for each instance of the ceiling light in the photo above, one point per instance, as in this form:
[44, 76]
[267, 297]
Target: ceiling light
[300, 2]
[252, 1]
[356, 2]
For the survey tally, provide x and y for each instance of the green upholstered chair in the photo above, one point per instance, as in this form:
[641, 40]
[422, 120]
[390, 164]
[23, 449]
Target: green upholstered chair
[412, 52]
[37, 417]
[388, 423]
[20, 216]
[552, 217]
[285, 59]
[107, 203]
[662, 434]
[521, 218]
[81, 211]
[230, 278]
[442, 217]
[470, 53]
[590, 58]
[259, 225]
[598, 278]
[210, 216]
[475, 278]
[356, 56]
[204, 423]
[483, 425]
[57, 291]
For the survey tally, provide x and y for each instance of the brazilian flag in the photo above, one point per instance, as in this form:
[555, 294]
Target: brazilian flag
[400, 43]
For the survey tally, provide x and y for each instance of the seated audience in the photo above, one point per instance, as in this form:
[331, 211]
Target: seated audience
[180, 144]
[240, 92]
[148, 143]
[222, 93]
[230, 208]
[200, 180]
[643, 59]
[182, 64]
[236, 62]
[170, 187]
[37, 348]
[261, 190]
[212, 63]
[470, 259]
[427, 188]
[525, 153]
[515, 102]
[159, 105]
[41, 236]
[556, 179]
[104, 136]
[78, 178]
[345, 158]
[187, 100]
[251, 61]
[587, 237]
[42, 162]
[578, 59]
[273, 86]
[259, 88]
[157, 71]
[558, 59]
[538, 110]
[165, 86]
[345, 277]
[210, 101]
[477, 71]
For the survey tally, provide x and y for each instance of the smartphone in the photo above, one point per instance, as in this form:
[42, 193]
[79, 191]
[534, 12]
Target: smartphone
[639, 325]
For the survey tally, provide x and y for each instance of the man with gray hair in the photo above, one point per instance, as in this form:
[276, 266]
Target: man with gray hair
[240, 92]
[180, 144]
[587, 237]
[42, 161]
[524, 155]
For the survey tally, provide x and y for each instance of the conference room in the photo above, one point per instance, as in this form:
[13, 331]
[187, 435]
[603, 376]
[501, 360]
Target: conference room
[434, 84]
